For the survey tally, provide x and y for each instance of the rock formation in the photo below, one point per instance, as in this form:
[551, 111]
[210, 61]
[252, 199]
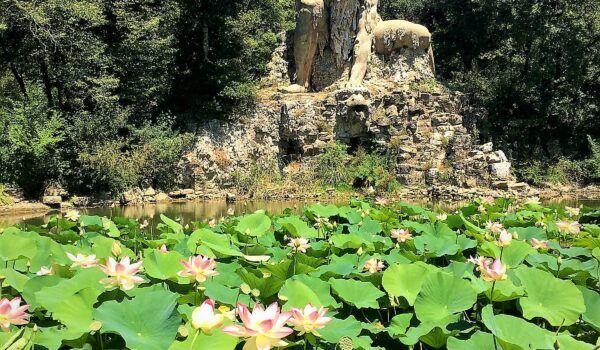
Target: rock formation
[347, 75]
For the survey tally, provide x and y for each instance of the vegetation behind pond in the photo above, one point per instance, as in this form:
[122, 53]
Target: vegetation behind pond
[99, 95]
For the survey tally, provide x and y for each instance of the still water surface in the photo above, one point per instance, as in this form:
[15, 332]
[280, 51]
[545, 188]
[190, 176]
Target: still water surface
[205, 210]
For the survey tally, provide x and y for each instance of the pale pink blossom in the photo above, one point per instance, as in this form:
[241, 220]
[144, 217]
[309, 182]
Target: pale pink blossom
[401, 235]
[539, 244]
[373, 265]
[198, 268]
[12, 312]
[568, 227]
[144, 224]
[309, 320]
[495, 272]
[382, 201]
[72, 215]
[494, 227]
[299, 244]
[477, 261]
[163, 248]
[83, 261]
[205, 319]
[572, 212]
[504, 239]
[265, 329]
[442, 217]
[45, 271]
[121, 274]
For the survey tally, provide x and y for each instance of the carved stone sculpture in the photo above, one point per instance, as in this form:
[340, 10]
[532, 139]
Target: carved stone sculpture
[351, 31]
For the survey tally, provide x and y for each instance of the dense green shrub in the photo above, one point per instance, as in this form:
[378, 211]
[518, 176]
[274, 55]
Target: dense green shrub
[331, 168]
[374, 169]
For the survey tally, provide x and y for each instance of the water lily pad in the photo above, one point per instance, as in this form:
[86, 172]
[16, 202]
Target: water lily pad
[515, 332]
[337, 329]
[256, 224]
[147, 322]
[357, 293]
[557, 301]
[404, 280]
[442, 295]
[478, 341]
[296, 227]
[162, 266]
[302, 289]
[592, 307]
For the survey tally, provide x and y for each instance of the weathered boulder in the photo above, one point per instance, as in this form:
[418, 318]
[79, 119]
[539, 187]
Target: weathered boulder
[500, 171]
[162, 197]
[52, 201]
[133, 196]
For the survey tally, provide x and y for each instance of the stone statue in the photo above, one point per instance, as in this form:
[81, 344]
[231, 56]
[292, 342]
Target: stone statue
[352, 30]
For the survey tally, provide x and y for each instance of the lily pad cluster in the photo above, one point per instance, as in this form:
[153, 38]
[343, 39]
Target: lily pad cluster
[491, 275]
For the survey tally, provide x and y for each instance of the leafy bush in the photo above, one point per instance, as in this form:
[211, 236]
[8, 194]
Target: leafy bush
[149, 159]
[397, 277]
[331, 168]
[372, 169]
[31, 136]
[5, 199]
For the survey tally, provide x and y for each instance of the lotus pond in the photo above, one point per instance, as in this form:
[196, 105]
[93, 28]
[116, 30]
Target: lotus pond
[491, 275]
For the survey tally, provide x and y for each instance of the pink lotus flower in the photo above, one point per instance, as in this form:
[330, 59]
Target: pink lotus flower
[539, 244]
[481, 209]
[163, 248]
[441, 217]
[478, 261]
[121, 274]
[309, 320]
[504, 239]
[572, 212]
[45, 271]
[495, 227]
[205, 319]
[401, 235]
[568, 227]
[373, 265]
[264, 328]
[83, 261]
[198, 268]
[144, 224]
[497, 272]
[299, 244]
[12, 313]
[72, 215]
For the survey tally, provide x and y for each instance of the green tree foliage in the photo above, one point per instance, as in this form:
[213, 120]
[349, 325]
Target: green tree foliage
[98, 94]
[534, 65]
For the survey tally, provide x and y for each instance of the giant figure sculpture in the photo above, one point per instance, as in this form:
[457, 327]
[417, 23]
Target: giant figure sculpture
[352, 29]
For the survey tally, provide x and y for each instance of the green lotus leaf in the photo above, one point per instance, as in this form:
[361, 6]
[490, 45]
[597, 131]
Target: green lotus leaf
[435, 332]
[478, 341]
[256, 224]
[52, 338]
[527, 233]
[566, 342]
[303, 289]
[110, 228]
[169, 226]
[218, 243]
[15, 244]
[296, 227]
[147, 322]
[350, 241]
[512, 255]
[357, 293]
[337, 329]
[404, 280]
[592, 307]
[267, 286]
[435, 246]
[320, 210]
[399, 324]
[14, 279]
[162, 266]
[442, 294]
[77, 296]
[557, 301]
[516, 333]
[91, 222]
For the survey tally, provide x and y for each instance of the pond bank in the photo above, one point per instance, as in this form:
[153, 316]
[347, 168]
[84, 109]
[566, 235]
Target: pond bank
[440, 193]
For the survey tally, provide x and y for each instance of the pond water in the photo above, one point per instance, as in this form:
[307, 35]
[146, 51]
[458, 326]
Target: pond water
[187, 212]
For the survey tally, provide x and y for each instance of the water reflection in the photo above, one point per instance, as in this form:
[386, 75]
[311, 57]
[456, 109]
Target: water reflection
[206, 210]
[186, 211]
